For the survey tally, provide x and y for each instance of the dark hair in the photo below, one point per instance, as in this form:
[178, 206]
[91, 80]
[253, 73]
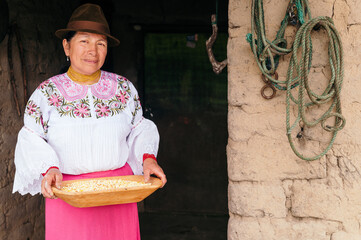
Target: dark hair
[69, 35]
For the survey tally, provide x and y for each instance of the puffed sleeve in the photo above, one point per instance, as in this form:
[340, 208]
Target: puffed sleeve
[33, 155]
[144, 136]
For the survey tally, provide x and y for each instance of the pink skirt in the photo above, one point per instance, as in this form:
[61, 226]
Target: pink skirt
[116, 222]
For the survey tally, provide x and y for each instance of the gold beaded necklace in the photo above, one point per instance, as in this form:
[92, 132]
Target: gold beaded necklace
[82, 78]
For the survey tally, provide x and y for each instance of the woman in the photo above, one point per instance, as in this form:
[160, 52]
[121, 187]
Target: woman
[85, 123]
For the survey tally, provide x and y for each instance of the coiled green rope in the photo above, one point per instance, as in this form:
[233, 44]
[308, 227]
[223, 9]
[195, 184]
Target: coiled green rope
[266, 52]
[298, 71]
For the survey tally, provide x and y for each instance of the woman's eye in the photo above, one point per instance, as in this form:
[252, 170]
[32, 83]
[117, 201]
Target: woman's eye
[83, 41]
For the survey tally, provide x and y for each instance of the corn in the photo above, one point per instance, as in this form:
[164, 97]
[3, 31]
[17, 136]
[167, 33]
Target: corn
[100, 185]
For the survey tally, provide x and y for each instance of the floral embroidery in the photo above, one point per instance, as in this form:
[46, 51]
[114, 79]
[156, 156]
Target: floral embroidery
[137, 107]
[106, 87]
[105, 108]
[77, 108]
[44, 124]
[110, 96]
[123, 85]
[55, 100]
[114, 105]
[82, 110]
[69, 89]
[44, 84]
[102, 110]
[67, 108]
[122, 97]
[33, 111]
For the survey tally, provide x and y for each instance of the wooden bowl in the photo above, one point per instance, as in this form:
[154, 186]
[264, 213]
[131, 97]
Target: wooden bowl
[108, 197]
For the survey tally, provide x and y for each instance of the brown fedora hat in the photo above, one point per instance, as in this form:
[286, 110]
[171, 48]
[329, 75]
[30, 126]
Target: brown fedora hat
[88, 18]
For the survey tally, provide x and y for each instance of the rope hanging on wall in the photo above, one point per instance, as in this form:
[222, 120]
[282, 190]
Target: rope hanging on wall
[268, 53]
[217, 66]
[299, 67]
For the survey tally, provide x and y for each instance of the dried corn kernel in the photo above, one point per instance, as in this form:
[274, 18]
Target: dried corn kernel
[101, 184]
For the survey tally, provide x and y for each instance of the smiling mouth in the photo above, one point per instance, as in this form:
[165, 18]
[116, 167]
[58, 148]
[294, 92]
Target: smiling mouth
[90, 61]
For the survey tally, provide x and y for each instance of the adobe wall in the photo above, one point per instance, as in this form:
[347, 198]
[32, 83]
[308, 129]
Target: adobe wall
[272, 193]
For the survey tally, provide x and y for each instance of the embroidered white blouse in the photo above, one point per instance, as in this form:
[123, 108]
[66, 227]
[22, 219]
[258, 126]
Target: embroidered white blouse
[82, 129]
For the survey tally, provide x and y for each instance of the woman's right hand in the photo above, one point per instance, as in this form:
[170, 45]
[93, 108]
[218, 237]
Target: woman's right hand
[52, 177]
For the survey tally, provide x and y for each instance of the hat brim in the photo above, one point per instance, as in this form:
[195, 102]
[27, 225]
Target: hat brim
[112, 41]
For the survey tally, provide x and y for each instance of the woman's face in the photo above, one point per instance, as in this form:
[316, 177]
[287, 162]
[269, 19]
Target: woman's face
[87, 52]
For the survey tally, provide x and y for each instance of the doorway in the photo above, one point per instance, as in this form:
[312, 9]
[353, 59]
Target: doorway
[188, 103]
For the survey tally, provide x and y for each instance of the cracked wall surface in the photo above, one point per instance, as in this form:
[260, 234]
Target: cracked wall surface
[272, 193]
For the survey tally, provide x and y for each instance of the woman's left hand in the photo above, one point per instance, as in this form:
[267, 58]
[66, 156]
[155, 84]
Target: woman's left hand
[150, 166]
